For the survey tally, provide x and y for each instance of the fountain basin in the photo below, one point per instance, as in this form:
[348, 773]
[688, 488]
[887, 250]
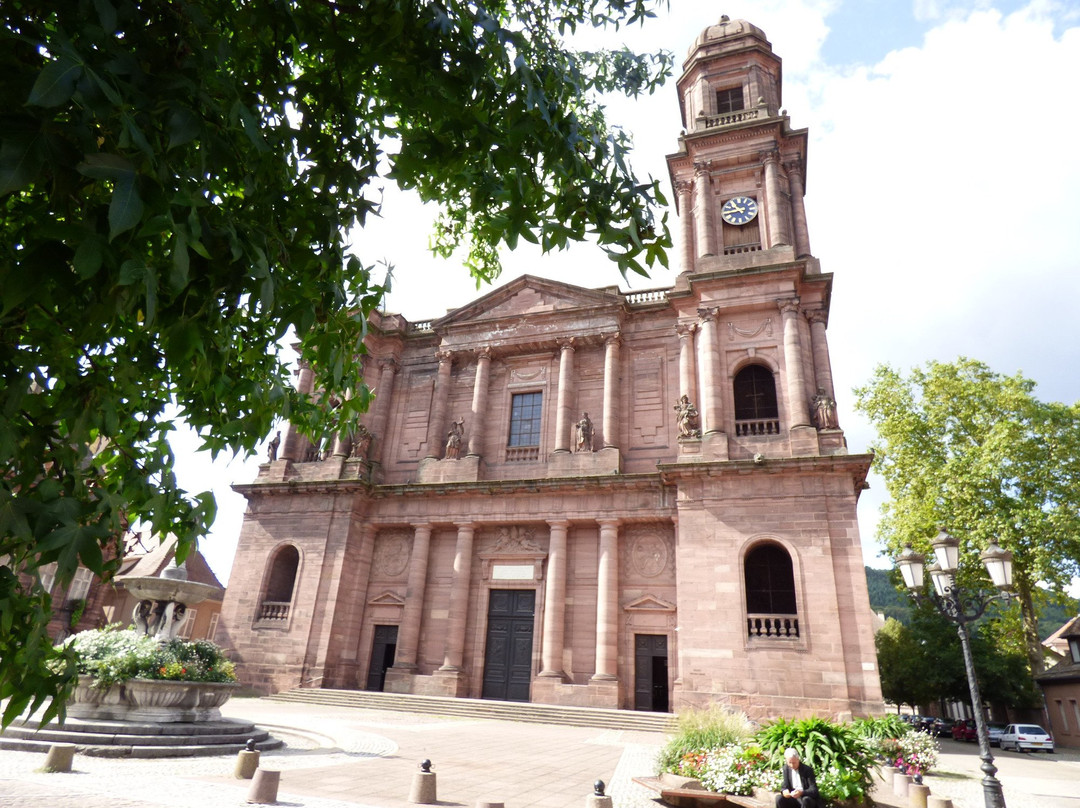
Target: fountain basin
[163, 701]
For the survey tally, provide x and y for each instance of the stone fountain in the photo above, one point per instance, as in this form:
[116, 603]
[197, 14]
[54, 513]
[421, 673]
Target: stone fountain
[164, 600]
[162, 603]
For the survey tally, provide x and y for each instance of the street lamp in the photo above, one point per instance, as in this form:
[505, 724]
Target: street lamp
[962, 608]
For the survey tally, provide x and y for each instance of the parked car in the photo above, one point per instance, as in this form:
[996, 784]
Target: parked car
[940, 726]
[994, 731]
[965, 730]
[1026, 737]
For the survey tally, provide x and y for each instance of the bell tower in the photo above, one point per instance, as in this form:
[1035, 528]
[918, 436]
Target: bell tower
[752, 292]
[739, 173]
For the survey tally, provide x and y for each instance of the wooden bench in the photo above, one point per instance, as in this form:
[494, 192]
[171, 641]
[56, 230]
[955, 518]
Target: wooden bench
[697, 797]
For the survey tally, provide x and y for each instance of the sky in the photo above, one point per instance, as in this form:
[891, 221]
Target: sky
[942, 193]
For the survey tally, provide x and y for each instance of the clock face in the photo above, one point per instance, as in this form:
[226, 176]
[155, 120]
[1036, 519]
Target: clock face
[739, 210]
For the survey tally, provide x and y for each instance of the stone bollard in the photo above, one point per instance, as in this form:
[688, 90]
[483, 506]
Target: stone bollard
[887, 773]
[938, 802]
[247, 761]
[59, 757]
[917, 794]
[423, 785]
[598, 799]
[900, 784]
[264, 786]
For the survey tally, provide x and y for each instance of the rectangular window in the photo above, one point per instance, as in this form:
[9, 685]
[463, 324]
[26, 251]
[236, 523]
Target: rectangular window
[80, 584]
[525, 419]
[210, 632]
[1076, 711]
[729, 100]
[48, 576]
[184, 632]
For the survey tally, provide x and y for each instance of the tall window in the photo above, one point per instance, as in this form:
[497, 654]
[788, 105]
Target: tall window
[80, 584]
[212, 630]
[184, 632]
[770, 581]
[525, 419]
[756, 412]
[729, 100]
[277, 599]
[48, 576]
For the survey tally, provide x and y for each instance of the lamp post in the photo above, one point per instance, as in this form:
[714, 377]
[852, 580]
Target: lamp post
[962, 608]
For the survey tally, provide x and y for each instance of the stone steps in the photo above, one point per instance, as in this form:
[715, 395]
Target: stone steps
[482, 708]
[135, 740]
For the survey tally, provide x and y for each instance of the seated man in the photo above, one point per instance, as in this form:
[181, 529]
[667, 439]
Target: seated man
[798, 787]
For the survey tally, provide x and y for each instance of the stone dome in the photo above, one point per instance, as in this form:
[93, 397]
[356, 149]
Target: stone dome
[725, 28]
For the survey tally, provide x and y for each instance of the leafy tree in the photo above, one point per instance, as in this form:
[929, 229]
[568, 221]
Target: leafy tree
[977, 452]
[901, 666]
[176, 181]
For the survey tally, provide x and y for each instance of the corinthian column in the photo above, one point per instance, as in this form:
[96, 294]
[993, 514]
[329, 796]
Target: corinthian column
[704, 227]
[779, 227]
[611, 390]
[564, 415]
[798, 409]
[459, 598]
[380, 421]
[294, 444]
[798, 209]
[409, 635]
[555, 601]
[684, 188]
[607, 601]
[687, 387]
[709, 364]
[479, 401]
[436, 436]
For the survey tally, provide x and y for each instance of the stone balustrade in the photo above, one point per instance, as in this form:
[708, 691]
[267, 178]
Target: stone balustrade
[772, 625]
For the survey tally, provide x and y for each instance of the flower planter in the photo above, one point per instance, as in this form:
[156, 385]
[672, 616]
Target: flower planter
[154, 700]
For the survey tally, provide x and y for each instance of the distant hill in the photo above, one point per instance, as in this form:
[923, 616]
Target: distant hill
[885, 598]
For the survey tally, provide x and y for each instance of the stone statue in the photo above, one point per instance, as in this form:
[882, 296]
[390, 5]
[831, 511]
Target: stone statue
[584, 434]
[361, 443]
[272, 448]
[825, 410]
[454, 438]
[689, 420]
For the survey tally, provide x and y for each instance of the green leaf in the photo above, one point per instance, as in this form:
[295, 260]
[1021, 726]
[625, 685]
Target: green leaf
[181, 263]
[20, 160]
[55, 84]
[184, 127]
[88, 257]
[126, 207]
[105, 166]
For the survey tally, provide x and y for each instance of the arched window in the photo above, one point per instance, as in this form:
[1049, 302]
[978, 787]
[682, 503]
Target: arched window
[756, 412]
[280, 583]
[770, 592]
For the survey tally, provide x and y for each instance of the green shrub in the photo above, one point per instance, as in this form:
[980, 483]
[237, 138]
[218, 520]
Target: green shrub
[111, 655]
[697, 733]
[840, 758]
[880, 734]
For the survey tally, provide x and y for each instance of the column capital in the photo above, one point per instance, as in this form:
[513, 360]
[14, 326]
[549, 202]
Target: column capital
[444, 356]
[483, 352]
[685, 330]
[788, 306]
[770, 156]
[702, 168]
[817, 316]
[708, 313]
[614, 338]
[558, 522]
[388, 363]
[609, 523]
[463, 525]
[422, 526]
[684, 186]
[565, 343]
[794, 167]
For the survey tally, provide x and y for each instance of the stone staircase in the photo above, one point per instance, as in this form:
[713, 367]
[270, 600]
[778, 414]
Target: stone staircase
[482, 708]
[134, 740]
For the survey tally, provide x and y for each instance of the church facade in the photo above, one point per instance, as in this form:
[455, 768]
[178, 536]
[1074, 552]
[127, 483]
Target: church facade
[583, 496]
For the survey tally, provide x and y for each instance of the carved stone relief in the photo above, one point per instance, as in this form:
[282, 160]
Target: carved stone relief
[648, 553]
[391, 555]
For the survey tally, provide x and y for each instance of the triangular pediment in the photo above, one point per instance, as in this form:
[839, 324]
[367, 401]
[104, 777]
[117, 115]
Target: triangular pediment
[387, 598]
[649, 603]
[528, 296]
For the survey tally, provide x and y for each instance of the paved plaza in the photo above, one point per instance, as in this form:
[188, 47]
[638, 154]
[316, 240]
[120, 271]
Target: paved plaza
[344, 758]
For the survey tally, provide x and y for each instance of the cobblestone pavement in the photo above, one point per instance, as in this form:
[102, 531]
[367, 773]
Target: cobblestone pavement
[348, 758]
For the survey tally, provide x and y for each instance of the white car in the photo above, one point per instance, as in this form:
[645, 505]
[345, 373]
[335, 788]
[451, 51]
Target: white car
[1026, 737]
